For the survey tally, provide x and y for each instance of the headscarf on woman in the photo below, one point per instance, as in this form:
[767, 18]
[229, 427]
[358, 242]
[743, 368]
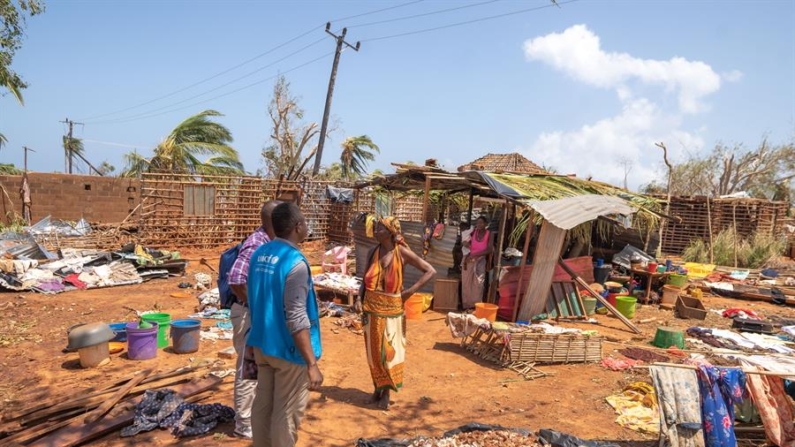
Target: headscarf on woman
[392, 224]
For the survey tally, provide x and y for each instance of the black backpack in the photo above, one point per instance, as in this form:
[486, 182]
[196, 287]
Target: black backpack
[228, 258]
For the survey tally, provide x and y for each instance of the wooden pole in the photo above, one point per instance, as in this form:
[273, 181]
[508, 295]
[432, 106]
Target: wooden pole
[604, 302]
[527, 235]
[471, 203]
[425, 200]
[709, 228]
[100, 411]
[496, 272]
[734, 226]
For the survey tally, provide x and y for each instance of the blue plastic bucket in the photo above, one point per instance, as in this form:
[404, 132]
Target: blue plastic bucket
[120, 329]
[185, 335]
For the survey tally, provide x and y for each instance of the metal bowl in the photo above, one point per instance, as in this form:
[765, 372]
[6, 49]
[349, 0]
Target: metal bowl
[89, 335]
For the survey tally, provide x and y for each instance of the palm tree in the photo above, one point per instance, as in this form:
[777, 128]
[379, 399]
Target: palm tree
[357, 153]
[179, 152]
[71, 146]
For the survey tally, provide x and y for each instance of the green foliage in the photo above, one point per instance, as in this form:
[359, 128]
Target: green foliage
[285, 155]
[16, 224]
[9, 169]
[180, 150]
[357, 153]
[12, 28]
[762, 172]
[752, 252]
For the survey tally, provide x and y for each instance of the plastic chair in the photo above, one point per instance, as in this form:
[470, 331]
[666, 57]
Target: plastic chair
[336, 260]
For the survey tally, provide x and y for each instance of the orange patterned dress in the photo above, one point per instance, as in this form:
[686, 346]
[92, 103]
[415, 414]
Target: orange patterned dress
[384, 326]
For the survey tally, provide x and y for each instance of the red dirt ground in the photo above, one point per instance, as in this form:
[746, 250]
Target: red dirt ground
[445, 386]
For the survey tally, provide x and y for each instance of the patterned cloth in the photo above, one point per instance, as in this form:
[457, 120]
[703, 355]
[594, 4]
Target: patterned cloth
[678, 401]
[382, 321]
[636, 406]
[238, 274]
[165, 408]
[720, 388]
[773, 405]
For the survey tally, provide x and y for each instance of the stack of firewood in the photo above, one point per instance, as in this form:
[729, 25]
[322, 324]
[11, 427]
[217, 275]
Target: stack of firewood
[74, 419]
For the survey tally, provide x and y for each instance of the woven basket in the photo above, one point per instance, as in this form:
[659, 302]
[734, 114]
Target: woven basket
[552, 348]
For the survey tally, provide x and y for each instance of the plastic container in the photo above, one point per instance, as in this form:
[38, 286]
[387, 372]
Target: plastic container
[612, 297]
[185, 335]
[413, 307]
[589, 304]
[486, 310]
[669, 294]
[120, 329]
[141, 343]
[677, 280]
[626, 306]
[601, 273]
[93, 356]
[667, 337]
[163, 321]
[652, 267]
[689, 307]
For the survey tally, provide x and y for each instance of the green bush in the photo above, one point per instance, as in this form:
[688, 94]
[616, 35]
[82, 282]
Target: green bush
[752, 252]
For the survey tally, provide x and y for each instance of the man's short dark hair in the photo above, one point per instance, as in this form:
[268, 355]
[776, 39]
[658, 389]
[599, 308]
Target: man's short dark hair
[285, 217]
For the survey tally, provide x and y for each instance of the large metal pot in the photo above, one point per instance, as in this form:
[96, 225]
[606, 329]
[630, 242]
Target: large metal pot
[90, 334]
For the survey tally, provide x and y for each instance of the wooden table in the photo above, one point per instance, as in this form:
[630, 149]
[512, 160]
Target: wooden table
[650, 277]
[350, 294]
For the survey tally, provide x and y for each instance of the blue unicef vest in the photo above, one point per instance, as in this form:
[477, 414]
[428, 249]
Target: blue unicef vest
[267, 275]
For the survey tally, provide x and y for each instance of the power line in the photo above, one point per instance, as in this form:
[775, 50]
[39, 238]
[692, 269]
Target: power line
[218, 87]
[222, 95]
[467, 22]
[440, 11]
[248, 61]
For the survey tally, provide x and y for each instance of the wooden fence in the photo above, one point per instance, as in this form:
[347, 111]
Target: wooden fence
[701, 216]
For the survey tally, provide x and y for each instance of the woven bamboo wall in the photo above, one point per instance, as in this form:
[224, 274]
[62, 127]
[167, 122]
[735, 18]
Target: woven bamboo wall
[749, 215]
[223, 211]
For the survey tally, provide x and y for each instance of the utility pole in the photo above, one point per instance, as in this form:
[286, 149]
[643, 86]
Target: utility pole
[340, 42]
[24, 191]
[68, 145]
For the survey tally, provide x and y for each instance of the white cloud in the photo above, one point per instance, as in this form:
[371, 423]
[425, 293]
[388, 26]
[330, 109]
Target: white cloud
[577, 52]
[732, 76]
[598, 149]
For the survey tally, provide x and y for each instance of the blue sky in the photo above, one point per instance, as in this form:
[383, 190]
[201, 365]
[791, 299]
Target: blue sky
[586, 88]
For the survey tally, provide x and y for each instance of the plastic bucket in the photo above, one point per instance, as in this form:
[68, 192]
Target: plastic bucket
[589, 304]
[486, 310]
[601, 273]
[163, 321]
[141, 343]
[677, 280]
[666, 337]
[120, 329]
[652, 267]
[626, 305]
[611, 297]
[185, 335]
[413, 307]
[669, 294]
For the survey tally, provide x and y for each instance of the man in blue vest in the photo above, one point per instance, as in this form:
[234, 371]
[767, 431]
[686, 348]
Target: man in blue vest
[285, 331]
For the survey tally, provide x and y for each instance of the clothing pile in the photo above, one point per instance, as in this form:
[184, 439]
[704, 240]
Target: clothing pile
[743, 341]
[637, 408]
[166, 409]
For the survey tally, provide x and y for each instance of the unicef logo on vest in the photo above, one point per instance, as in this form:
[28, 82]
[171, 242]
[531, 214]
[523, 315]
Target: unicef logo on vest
[268, 259]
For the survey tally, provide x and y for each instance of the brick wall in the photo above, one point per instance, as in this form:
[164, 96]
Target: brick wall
[71, 197]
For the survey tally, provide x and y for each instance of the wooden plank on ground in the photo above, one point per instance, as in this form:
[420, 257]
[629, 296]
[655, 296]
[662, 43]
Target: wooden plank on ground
[77, 433]
[116, 397]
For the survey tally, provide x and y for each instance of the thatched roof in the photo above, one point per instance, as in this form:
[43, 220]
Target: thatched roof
[514, 163]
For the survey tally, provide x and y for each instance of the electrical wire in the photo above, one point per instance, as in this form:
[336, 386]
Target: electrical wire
[224, 94]
[248, 61]
[467, 22]
[440, 11]
[251, 73]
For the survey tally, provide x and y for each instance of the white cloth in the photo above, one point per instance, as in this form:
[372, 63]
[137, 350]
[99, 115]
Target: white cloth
[466, 236]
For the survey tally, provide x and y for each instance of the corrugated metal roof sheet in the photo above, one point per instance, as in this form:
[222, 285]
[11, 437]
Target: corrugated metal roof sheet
[569, 212]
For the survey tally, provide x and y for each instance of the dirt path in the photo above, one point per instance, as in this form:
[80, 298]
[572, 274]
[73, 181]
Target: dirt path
[445, 386]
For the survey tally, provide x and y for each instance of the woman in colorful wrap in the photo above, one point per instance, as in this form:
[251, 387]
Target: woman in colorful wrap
[473, 274]
[381, 299]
